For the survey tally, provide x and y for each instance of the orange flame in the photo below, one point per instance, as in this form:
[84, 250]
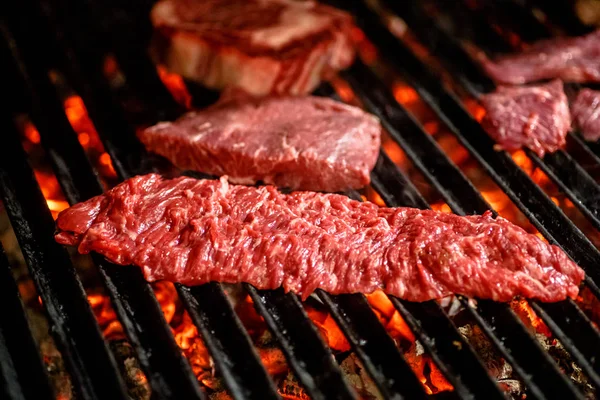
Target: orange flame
[529, 317]
[176, 86]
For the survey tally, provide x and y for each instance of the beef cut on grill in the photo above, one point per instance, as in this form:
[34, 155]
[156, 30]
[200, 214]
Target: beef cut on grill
[262, 46]
[585, 111]
[535, 116]
[310, 143]
[574, 59]
[195, 231]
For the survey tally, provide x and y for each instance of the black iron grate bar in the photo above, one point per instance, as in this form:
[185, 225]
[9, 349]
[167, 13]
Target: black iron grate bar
[524, 193]
[20, 364]
[212, 312]
[419, 146]
[579, 186]
[463, 198]
[576, 333]
[528, 354]
[168, 371]
[74, 326]
[374, 346]
[584, 333]
[239, 353]
[453, 355]
[310, 359]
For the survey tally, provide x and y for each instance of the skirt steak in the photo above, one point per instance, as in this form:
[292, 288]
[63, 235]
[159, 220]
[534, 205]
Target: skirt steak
[196, 231]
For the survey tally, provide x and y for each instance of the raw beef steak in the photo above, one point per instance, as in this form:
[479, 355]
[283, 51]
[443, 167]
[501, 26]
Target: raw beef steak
[585, 111]
[574, 59]
[262, 46]
[196, 231]
[529, 116]
[310, 143]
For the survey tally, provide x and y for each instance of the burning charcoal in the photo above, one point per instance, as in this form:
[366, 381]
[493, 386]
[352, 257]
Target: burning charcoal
[496, 365]
[135, 380]
[513, 387]
[355, 372]
[55, 367]
[290, 389]
[567, 365]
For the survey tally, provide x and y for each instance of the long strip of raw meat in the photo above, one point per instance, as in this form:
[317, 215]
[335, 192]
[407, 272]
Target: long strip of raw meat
[195, 231]
[573, 59]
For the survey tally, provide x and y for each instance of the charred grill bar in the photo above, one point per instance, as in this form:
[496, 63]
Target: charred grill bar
[79, 45]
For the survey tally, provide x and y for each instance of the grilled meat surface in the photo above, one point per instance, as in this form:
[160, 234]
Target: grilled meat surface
[310, 143]
[585, 111]
[196, 231]
[573, 59]
[261, 46]
[535, 116]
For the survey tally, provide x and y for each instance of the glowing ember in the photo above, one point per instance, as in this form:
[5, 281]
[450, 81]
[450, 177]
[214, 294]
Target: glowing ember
[443, 207]
[31, 133]
[529, 317]
[366, 50]
[176, 86]
[393, 151]
[52, 193]
[329, 329]
[404, 94]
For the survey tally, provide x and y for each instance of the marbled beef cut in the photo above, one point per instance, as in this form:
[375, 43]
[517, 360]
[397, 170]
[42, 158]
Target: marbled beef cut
[310, 143]
[585, 111]
[534, 116]
[574, 59]
[195, 231]
[262, 46]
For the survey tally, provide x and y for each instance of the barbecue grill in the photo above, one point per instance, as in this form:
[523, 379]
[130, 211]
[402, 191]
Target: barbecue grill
[75, 37]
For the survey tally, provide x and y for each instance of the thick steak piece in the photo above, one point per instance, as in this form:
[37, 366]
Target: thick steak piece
[310, 143]
[537, 117]
[196, 231]
[585, 111]
[573, 59]
[261, 46]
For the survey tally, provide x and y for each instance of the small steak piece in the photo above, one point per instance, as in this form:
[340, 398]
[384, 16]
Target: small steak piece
[530, 116]
[263, 46]
[310, 143]
[196, 231]
[585, 111]
[574, 59]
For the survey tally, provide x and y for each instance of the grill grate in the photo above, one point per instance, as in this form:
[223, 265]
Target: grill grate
[79, 38]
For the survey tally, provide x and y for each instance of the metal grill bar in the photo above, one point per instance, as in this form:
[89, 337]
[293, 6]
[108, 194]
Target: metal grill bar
[579, 337]
[527, 352]
[463, 197]
[22, 373]
[576, 333]
[238, 362]
[309, 357]
[74, 327]
[376, 349]
[132, 296]
[579, 186]
[453, 355]
[228, 343]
